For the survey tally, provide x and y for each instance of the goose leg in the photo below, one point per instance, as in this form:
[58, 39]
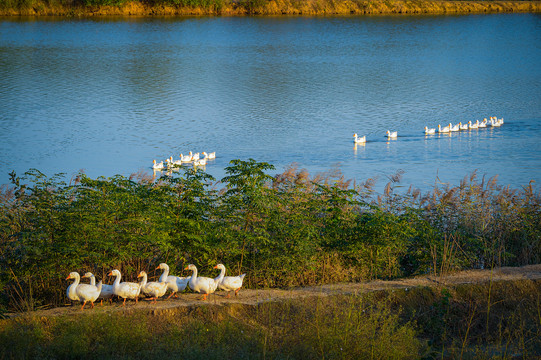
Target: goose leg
[228, 294]
[84, 303]
[204, 297]
[124, 303]
[237, 292]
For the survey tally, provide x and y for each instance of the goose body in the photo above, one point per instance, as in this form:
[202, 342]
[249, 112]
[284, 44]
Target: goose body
[454, 127]
[186, 158]
[429, 131]
[359, 140]
[174, 283]
[392, 135]
[153, 289]
[463, 127]
[171, 162]
[84, 292]
[202, 285]
[200, 162]
[125, 290]
[157, 165]
[445, 129]
[194, 156]
[482, 124]
[473, 125]
[106, 290]
[210, 156]
[228, 283]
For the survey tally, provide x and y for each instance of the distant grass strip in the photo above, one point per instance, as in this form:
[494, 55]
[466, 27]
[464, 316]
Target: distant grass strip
[257, 7]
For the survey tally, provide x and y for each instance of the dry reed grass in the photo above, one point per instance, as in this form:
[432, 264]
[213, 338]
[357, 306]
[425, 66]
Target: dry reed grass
[272, 7]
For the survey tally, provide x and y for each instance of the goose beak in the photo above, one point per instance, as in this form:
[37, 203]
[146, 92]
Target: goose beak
[216, 266]
[69, 277]
[186, 268]
[157, 268]
[110, 273]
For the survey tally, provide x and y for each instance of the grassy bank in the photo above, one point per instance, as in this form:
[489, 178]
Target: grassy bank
[257, 7]
[494, 320]
[292, 229]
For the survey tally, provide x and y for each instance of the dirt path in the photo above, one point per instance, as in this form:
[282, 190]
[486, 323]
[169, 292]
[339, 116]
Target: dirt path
[254, 297]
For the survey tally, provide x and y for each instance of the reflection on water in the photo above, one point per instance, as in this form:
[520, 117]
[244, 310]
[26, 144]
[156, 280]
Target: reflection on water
[108, 96]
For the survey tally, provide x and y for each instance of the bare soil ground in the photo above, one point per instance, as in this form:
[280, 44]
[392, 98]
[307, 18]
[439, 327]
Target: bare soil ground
[254, 297]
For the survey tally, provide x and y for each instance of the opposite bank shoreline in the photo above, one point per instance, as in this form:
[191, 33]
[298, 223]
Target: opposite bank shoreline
[258, 7]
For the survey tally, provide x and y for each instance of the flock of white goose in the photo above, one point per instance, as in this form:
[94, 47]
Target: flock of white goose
[196, 159]
[492, 122]
[152, 289]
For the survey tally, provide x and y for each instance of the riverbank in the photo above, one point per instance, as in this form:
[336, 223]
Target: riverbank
[471, 314]
[258, 7]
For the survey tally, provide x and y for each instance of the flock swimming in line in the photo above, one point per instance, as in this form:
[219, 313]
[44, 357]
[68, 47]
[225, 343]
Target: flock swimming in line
[195, 159]
[492, 122]
[152, 289]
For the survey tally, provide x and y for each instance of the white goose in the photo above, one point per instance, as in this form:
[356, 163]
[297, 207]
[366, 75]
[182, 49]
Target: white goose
[152, 288]
[125, 290]
[202, 285]
[186, 158]
[392, 135]
[482, 124]
[172, 162]
[84, 292]
[454, 127]
[445, 129]
[174, 283]
[429, 131]
[156, 165]
[194, 156]
[228, 283]
[463, 127]
[106, 290]
[359, 140]
[494, 122]
[473, 125]
[210, 156]
[200, 162]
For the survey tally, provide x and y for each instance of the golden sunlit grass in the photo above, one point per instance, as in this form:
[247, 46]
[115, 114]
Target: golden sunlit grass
[259, 7]
[488, 320]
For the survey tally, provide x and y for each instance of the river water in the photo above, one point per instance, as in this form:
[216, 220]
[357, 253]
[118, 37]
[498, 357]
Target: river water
[110, 95]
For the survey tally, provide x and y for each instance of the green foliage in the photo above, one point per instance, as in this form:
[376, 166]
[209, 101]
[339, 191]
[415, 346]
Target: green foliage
[286, 230]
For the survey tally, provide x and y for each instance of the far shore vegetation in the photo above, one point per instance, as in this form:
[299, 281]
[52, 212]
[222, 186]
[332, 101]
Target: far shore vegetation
[73, 8]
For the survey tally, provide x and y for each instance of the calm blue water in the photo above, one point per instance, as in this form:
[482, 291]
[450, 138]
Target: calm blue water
[109, 96]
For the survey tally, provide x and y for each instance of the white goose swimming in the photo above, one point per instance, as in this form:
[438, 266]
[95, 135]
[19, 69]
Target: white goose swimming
[174, 283]
[106, 290]
[186, 158]
[156, 165]
[429, 131]
[392, 135]
[200, 162]
[482, 124]
[172, 162]
[445, 129]
[125, 290]
[454, 127]
[83, 292]
[210, 156]
[228, 283]
[202, 285]
[463, 127]
[359, 140]
[473, 125]
[152, 288]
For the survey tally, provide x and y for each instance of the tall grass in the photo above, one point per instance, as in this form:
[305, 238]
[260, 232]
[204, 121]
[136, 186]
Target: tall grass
[417, 323]
[288, 230]
[257, 7]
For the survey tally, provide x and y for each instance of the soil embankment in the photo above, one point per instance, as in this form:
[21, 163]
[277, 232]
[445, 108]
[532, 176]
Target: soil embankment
[255, 297]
